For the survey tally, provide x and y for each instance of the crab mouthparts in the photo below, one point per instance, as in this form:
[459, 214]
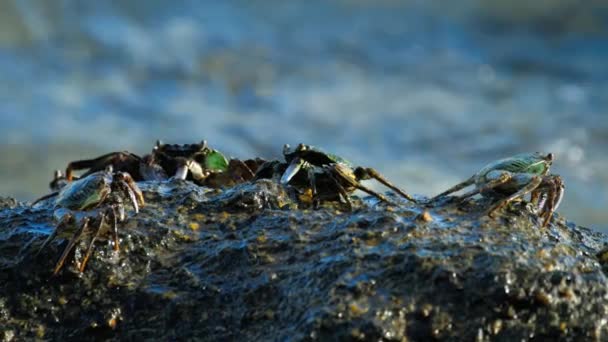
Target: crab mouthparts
[292, 170]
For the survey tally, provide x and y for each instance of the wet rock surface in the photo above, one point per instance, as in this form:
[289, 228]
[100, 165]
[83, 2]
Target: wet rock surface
[247, 263]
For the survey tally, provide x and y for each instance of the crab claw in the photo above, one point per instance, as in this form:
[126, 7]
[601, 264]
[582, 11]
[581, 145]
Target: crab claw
[292, 170]
[127, 184]
[188, 166]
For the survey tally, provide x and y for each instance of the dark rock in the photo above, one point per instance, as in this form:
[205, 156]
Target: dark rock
[247, 264]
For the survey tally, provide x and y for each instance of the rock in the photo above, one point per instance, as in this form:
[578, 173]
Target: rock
[247, 264]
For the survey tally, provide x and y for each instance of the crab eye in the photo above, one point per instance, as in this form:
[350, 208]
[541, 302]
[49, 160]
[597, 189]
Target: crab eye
[549, 157]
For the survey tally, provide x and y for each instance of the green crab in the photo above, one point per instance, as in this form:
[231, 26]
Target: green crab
[514, 177]
[101, 190]
[327, 176]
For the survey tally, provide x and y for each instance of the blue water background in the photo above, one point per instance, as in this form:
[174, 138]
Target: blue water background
[425, 91]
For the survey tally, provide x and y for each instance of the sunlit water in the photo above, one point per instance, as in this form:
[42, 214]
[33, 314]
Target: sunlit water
[425, 93]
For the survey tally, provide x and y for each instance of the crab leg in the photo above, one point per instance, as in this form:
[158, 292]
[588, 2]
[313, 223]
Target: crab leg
[538, 198]
[127, 185]
[344, 195]
[245, 172]
[66, 220]
[71, 245]
[113, 217]
[312, 178]
[380, 178]
[455, 188]
[130, 194]
[83, 263]
[373, 193]
[98, 164]
[533, 184]
[548, 208]
[503, 178]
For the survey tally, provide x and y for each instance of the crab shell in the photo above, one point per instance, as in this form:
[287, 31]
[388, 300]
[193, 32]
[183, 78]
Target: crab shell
[525, 163]
[91, 191]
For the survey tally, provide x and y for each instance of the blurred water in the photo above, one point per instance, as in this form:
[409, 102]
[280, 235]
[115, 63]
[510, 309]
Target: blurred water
[424, 91]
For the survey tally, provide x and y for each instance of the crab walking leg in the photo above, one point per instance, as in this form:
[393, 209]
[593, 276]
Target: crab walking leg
[98, 163]
[372, 173]
[71, 245]
[529, 187]
[312, 178]
[94, 236]
[373, 193]
[66, 221]
[132, 187]
[499, 180]
[538, 198]
[131, 195]
[245, 173]
[455, 188]
[548, 209]
[114, 218]
[344, 195]
[342, 191]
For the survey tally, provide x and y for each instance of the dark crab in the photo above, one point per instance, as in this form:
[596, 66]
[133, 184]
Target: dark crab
[101, 190]
[327, 176]
[165, 159]
[203, 165]
[140, 169]
[195, 162]
[514, 177]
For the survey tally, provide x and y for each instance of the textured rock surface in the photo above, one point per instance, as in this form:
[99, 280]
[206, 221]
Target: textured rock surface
[247, 264]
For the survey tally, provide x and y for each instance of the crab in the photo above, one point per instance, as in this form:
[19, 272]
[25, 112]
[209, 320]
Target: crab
[196, 162]
[514, 177]
[102, 191]
[205, 166]
[326, 175]
[165, 159]
[139, 168]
